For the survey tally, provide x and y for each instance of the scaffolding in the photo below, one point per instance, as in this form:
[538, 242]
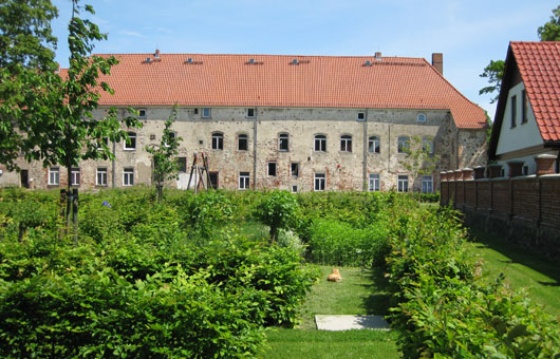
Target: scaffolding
[199, 176]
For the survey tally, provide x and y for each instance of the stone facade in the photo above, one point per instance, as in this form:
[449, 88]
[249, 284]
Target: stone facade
[281, 150]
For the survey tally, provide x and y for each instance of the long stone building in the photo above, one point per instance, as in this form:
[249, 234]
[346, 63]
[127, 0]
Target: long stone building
[300, 123]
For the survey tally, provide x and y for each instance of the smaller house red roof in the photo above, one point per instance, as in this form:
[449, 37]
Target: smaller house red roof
[539, 67]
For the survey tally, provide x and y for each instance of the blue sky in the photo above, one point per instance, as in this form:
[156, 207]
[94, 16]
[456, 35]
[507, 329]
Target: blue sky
[469, 33]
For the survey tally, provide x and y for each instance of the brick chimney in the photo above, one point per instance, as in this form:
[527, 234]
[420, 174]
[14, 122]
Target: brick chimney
[437, 62]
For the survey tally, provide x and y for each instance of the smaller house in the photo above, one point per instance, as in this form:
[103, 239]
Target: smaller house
[526, 133]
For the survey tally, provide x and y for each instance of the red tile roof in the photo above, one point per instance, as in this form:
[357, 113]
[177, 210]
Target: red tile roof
[287, 81]
[539, 66]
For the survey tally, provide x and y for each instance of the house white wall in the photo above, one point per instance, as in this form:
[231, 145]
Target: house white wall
[523, 135]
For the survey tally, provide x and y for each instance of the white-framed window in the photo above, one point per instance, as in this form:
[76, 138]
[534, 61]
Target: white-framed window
[217, 141]
[373, 182]
[142, 114]
[251, 113]
[320, 182]
[283, 142]
[272, 169]
[75, 177]
[403, 144]
[54, 176]
[101, 176]
[206, 113]
[374, 144]
[427, 184]
[242, 142]
[128, 177]
[130, 143]
[244, 180]
[361, 116]
[421, 117]
[402, 183]
[320, 143]
[346, 143]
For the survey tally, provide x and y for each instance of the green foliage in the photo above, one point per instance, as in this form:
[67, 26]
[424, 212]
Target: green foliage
[550, 31]
[26, 51]
[338, 243]
[138, 285]
[278, 210]
[494, 72]
[443, 309]
[205, 211]
[163, 156]
[420, 158]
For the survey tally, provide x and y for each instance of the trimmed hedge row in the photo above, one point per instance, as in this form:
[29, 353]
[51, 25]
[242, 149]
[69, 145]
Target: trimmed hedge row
[145, 280]
[444, 308]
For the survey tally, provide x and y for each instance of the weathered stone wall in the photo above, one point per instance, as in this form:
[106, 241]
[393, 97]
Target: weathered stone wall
[343, 170]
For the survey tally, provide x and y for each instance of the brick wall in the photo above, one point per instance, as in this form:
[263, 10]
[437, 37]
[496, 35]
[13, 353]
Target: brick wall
[525, 210]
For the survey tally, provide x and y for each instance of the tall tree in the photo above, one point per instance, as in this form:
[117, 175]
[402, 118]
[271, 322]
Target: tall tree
[27, 52]
[165, 166]
[494, 71]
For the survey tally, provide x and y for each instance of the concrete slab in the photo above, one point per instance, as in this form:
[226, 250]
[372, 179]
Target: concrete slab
[349, 322]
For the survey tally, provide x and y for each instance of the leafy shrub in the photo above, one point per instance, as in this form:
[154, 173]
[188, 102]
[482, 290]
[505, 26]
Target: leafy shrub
[338, 243]
[443, 310]
[278, 210]
[204, 211]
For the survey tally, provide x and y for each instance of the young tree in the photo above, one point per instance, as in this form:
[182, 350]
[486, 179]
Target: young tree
[420, 157]
[163, 155]
[54, 119]
[279, 210]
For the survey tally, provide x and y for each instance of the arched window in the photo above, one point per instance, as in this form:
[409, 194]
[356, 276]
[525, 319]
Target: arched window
[320, 143]
[374, 144]
[427, 145]
[403, 144]
[217, 141]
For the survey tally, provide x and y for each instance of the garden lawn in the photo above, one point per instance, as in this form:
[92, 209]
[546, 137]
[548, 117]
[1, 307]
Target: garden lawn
[522, 269]
[360, 292]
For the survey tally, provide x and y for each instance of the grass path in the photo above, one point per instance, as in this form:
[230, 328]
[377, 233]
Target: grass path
[360, 292]
[523, 271]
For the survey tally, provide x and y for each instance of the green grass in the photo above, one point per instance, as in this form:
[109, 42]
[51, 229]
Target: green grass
[523, 270]
[360, 292]
[314, 344]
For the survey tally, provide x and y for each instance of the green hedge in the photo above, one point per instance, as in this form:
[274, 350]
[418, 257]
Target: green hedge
[443, 309]
[145, 280]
